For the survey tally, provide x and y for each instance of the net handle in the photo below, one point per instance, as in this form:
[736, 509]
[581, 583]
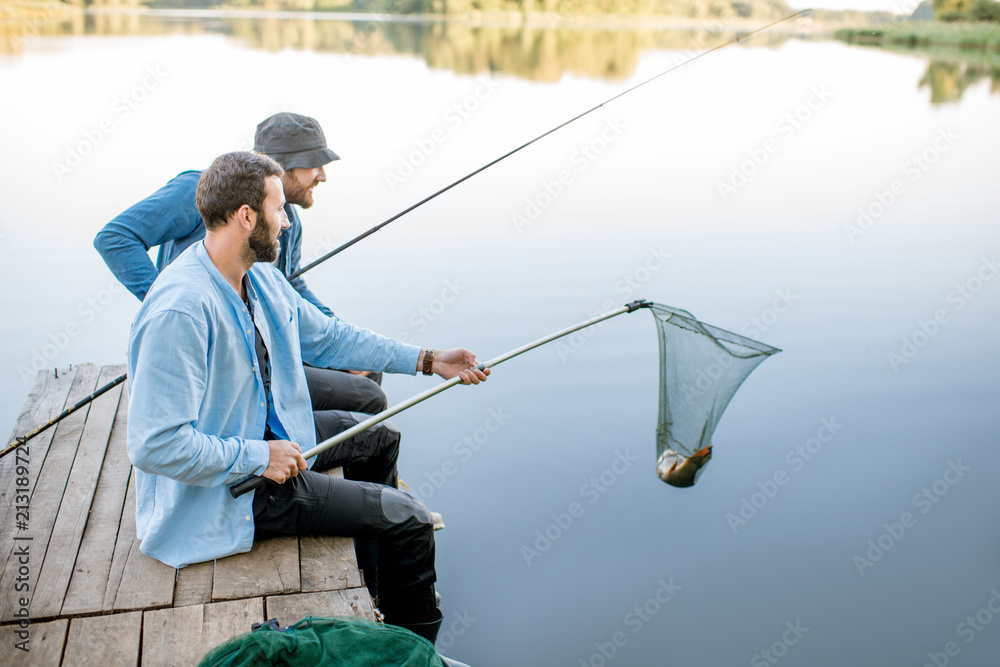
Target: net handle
[254, 482]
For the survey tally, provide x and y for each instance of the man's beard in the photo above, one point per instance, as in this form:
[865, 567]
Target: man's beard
[300, 195]
[260, 246]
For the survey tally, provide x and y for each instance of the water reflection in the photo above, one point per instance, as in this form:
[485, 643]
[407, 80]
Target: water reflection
[532, 52]
[948, 78]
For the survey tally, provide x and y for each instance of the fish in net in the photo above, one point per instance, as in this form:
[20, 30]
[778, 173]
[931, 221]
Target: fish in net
[701, 367]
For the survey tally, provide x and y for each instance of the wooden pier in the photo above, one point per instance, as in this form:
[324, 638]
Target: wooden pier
[70, 560]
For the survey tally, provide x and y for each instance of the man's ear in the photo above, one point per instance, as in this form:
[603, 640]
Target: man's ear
[246, 217]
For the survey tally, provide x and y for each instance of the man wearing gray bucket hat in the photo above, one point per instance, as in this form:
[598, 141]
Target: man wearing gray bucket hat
[170, 219]
[294, 141]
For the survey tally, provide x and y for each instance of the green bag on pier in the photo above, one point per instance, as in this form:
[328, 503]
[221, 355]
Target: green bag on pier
[337, 640]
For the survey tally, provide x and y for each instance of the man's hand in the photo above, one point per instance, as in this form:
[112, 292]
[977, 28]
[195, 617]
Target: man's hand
[286, 461]
[461, 362]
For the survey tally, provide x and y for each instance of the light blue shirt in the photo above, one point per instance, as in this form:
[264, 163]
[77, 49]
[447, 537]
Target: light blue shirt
[196, 399]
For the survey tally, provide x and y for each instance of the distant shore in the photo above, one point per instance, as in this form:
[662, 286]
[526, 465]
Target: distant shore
[731, 23]
[958, 34]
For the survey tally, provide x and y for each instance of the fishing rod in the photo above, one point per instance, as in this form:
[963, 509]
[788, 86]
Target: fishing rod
[20, 440]
[251, 483]
[486, 166]
[423, 201]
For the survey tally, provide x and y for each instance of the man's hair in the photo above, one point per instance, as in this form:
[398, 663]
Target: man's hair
[234, 179]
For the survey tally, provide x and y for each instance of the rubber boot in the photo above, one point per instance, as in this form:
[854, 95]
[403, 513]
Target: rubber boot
[428, 629]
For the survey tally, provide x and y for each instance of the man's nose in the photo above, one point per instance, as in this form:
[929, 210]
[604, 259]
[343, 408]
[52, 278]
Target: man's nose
[321, 175]
[284, 220]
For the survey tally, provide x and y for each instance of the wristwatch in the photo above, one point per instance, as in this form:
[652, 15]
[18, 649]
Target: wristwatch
[428, 360]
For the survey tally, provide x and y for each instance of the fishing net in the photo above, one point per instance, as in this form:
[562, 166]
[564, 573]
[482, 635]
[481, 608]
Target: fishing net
[701, 367]
[334, 640]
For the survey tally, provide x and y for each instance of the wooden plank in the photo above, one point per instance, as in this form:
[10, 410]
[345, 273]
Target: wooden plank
[145, 582]
[289, 609]
[272, 567]
[47, 398]
[194, 584]
[328, 563]
[104, 640]
[201, 628]
[46, 496]
[74, 511]
[89, 583]
[123, 546]
[45, 644]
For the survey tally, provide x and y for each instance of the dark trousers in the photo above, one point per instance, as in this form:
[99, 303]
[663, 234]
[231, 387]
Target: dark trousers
[393, 531]
[340, 390]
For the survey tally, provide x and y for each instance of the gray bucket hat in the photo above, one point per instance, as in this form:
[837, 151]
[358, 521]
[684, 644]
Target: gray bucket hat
[294, 141]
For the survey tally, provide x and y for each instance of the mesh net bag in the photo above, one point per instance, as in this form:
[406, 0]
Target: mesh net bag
[701, 367]
[343, 641]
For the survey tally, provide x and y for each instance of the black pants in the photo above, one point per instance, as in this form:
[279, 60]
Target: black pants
[393, 531]
[340, 390]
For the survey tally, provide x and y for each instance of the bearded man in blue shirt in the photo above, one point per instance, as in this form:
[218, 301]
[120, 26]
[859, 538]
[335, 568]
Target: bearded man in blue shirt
[169, 219]
[217, 393]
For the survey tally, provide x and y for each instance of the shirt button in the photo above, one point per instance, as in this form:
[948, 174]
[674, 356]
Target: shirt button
[261, 405]
[248, 517]
[248, 332]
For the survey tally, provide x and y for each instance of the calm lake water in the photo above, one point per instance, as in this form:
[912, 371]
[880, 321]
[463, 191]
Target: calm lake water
[838, 202]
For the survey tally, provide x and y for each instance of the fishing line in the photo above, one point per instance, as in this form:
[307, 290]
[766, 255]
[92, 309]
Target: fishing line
[486, 166]
[22, 439]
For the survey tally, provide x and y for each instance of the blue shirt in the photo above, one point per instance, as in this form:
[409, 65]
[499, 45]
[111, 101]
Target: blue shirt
[169, 218]
[196, 398]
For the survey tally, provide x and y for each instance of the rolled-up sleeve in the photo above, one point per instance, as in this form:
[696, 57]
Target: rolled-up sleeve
[168, 214]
